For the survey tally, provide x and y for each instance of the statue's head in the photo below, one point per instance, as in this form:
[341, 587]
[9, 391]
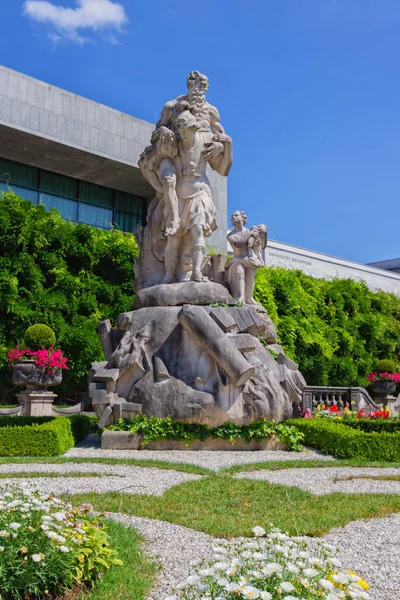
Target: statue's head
[239, 217]
[197, 84]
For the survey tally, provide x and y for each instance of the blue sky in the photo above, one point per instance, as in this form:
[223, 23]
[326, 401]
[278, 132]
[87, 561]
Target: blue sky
[308, 89]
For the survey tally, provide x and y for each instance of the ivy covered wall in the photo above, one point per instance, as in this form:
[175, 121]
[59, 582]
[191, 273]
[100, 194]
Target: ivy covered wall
[72, 276]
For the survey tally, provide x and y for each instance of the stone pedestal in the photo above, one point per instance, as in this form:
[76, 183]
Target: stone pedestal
[36, 403]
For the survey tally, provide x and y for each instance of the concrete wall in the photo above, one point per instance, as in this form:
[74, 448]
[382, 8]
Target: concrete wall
[324, 266]
[80, 131]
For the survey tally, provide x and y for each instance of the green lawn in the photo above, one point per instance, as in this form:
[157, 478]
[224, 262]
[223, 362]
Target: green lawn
[226, 507]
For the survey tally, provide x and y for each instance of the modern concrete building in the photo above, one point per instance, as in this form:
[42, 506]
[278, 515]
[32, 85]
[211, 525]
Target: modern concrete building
[324, 266]
[79, 156]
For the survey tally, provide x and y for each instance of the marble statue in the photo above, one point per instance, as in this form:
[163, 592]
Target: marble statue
[190, 350]
[188, 137]
[247, 245]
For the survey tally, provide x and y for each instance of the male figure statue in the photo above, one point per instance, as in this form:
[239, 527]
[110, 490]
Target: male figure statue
[188, 136]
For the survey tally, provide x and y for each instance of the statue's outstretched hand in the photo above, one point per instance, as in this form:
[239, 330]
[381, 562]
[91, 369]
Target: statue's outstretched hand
[212, 149]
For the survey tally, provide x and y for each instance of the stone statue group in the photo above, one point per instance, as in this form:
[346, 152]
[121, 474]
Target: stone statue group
[188, 137]
[195, 347]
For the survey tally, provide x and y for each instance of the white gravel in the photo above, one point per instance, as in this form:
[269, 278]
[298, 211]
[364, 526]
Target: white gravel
[320, 481]
[216, 459]
[173, 547]
[120, 478]
[368, 547]
[371, 548]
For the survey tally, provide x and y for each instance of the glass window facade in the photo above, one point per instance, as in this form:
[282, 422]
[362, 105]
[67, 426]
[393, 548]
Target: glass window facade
[76, 200]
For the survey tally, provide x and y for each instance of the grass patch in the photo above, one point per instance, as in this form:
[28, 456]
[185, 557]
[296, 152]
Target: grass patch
[308, 464]
[34, 475]
[159, 464]
[133, 579]
[225, 507]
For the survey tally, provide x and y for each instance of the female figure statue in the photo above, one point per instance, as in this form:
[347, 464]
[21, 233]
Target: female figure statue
[247, 245]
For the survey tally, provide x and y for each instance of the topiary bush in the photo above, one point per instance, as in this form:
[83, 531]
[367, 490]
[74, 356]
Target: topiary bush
[39, 336]
[386, 366]
[50, 438]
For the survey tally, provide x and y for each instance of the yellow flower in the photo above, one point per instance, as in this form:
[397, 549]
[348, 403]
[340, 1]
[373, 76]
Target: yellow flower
[42, 556]
[24, 550]
[31, 528]
[81, 558]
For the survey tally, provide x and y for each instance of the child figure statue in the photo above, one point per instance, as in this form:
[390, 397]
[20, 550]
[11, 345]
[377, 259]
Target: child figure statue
[247, 246]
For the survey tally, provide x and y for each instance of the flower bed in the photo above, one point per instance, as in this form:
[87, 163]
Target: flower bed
[153, 428]
[273, 567]
[46, 545]
[333, 437]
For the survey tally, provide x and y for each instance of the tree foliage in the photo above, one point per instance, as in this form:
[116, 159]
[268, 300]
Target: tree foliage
[69, 277]
[335, 329]
[66, 276]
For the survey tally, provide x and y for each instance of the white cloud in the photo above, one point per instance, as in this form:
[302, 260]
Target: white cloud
[95, 15]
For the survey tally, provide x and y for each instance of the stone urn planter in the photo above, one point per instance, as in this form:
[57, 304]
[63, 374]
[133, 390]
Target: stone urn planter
[383, 390]
[36, 400]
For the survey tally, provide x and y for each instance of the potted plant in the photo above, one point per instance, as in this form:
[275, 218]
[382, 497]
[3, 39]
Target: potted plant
[37, 366]
[384, 380]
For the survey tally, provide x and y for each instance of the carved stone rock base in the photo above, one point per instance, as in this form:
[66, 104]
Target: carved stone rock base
[189, 292]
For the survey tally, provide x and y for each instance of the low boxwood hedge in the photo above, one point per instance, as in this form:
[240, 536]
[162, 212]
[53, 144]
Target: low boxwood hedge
[46, 439]
[339, 440]
[379, 425]
[41, 436]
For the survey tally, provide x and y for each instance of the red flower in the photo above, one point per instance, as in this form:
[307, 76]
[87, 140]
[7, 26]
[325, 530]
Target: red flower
[334, 409]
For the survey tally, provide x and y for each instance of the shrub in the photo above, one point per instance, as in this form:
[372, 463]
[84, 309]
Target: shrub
[379, 425]
[334, 329]
[47, 545]
[388, 366]
[155, 428]
[38, 337]
[81, 425]
[342, 441]
[48, 438]
[66, 276]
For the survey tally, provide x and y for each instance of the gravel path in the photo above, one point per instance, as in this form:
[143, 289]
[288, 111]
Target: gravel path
[368, 547]
[125, 478]
[216, 459]
[320, 481]
[371, 548]
[173, 546]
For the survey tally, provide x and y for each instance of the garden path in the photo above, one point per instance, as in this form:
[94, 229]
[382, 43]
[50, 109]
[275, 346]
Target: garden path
[112, 478]
[175, 547]
[320, 481]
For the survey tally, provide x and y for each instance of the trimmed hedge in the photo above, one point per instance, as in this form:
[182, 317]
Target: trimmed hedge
[50, 438]
[338, 440]
[81, 425]
[379, 425]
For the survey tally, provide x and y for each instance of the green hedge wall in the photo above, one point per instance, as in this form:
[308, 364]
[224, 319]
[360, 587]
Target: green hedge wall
[66, 276]
[69, 277]
[46, 439]
[335, 329]
[344, 442]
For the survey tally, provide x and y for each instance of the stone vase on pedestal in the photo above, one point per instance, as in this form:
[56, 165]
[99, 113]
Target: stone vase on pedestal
[384, 390]
[36, 400]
